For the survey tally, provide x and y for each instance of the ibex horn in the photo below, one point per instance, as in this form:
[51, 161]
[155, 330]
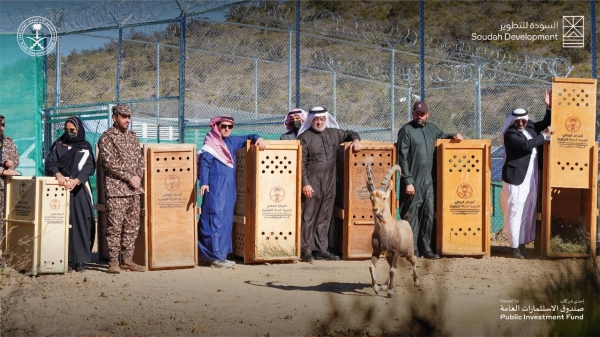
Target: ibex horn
[370, 185]
[386, 179]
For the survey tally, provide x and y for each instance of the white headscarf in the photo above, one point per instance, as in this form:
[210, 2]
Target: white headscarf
[510, 119]
[318, 111]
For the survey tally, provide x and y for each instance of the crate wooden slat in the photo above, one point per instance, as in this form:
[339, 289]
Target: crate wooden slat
[267, 211]
[463, 206]
[353, 214]
[37, 225]
[570, 175]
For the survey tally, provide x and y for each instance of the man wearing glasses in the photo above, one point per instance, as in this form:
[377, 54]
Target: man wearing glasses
[123, 165]
[9, 157]
[216, 173]
[522, 141]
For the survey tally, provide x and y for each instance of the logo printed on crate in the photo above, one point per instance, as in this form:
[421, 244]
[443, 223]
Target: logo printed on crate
[22, 190]
[573, 124]
[44, 40]
[172, 182]
[277, 194]
[55, 204]
[464, 191]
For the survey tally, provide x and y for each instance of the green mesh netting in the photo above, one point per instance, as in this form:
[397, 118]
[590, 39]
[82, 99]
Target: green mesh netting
[23, 88]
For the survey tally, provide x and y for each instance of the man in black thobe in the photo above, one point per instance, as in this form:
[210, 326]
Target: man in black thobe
[416, 144]
[320, 138]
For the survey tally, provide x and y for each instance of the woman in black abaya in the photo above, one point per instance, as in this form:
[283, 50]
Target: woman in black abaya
[72, 162]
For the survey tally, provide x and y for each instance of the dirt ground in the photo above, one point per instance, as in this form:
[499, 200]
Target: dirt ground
[457, 297]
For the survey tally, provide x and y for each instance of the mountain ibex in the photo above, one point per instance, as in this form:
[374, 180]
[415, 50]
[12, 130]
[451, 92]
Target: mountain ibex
[390, 236]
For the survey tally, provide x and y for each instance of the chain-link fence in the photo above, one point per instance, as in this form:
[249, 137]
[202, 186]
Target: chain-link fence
[205, 59]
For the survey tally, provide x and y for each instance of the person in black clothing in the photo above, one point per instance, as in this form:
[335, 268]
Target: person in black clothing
[320, 138]
[71, 161]
[522, 140]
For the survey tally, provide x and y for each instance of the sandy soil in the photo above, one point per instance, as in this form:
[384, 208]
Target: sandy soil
[457, 296]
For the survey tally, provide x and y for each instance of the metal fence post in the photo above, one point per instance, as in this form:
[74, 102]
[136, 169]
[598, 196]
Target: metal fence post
[334, 73]
[181, 117]
[255, 87]
[477, 120]
[393, 90]
[298, 53]
[118, 82]
[290, 70]
[409, 97]
[158, 92]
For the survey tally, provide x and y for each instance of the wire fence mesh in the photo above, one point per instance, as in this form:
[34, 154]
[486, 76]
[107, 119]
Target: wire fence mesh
[242, 62]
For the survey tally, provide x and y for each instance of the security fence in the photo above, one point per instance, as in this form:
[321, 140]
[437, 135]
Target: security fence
[216, 57]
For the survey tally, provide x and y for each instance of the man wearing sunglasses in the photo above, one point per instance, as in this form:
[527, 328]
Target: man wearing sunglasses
[216, 173]
[9, 157]
[522, 141]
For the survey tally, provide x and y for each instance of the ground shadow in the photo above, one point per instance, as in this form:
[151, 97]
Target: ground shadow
[341, 288]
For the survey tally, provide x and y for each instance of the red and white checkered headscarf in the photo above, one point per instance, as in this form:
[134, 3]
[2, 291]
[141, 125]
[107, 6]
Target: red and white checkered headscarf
[213, 142]
[294, 112]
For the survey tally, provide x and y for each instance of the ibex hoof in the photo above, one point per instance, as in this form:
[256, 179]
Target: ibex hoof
[417, 283]
[376, 289]
[390, 295]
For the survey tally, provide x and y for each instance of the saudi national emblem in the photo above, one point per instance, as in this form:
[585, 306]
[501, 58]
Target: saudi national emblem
[277, 194]
[42, 38]
[464, 191]
[573, 124]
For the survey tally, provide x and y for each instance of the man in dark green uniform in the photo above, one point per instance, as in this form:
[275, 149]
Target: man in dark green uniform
[416, 144]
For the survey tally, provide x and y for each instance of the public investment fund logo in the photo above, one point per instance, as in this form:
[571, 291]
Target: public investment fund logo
[37, 36]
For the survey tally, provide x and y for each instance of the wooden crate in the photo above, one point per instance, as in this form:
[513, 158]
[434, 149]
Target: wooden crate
[570, 174]
[574, 119]
[267, 211]
[463, 203]
[353, 220]
[37, 225]
[168, 232]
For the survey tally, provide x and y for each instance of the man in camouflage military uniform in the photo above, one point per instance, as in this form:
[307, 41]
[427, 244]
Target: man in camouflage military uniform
[123, 165]
[10, 160]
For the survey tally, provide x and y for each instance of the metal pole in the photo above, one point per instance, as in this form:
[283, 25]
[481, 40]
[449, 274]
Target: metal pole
[158, 92]
[478, 103]
[422, 46]
[409, 97]
[289, 70]
[393, 90]
[298, 53]
[334, 94]
[593, 37]
[256, 88]
[181, 117]
[120, 45]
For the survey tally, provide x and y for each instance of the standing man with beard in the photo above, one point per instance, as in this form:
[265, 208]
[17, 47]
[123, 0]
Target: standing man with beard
[123, 165]
[522, 141]
[416, 145]
[320, 138]
[293, 122]
[9, 157]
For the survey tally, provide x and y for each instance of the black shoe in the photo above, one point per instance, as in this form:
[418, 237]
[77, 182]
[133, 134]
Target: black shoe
[79, 267]
[325, 256]
[516, 253]
[431, 256]
[308, 257]
[416, 253]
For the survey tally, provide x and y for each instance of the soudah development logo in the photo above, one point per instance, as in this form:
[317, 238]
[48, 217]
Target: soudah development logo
[44, 36]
